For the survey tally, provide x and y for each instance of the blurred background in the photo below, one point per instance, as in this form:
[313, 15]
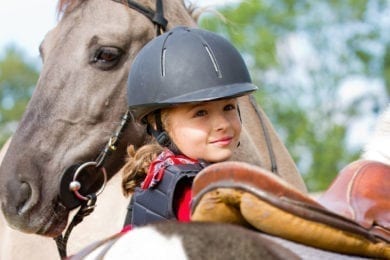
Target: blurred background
[323, 68]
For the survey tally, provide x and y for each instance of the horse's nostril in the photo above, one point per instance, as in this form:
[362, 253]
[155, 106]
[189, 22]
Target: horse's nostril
[24, 195]
[25, 191]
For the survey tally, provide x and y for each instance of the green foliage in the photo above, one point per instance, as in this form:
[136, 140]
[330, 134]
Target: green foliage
[300, 53]
[17, 79]
[386, 69]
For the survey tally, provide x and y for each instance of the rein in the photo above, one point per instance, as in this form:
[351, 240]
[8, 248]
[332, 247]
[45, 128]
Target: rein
[69, 181]
[271, 153]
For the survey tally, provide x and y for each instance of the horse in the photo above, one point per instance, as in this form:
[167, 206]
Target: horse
[77, 105]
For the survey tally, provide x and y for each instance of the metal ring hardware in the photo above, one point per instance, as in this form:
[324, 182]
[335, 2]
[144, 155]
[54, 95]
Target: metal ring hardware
[75, 185]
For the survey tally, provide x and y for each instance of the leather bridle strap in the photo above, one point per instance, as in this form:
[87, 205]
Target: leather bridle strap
[157, 17]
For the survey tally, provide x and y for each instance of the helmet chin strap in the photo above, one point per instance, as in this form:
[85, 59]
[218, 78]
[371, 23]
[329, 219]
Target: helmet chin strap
[161, 135]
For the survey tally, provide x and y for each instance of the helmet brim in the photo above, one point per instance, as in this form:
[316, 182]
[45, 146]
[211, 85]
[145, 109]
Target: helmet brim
[203, 95]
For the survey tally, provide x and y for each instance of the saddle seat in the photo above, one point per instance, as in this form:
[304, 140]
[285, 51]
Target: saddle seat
[248, 195]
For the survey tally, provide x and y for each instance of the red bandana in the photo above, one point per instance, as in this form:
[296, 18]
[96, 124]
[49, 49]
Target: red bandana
[163, 160]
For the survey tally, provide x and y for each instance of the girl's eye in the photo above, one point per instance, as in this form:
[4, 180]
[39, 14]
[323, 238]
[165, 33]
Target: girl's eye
[229, 107]
[200, 113]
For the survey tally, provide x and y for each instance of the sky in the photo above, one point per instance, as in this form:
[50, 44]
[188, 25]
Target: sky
[25, 25]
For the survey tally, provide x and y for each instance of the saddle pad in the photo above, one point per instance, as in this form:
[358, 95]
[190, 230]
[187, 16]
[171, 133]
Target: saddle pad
[255, 197]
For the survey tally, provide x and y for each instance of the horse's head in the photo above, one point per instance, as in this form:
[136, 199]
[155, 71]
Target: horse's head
[77, 104]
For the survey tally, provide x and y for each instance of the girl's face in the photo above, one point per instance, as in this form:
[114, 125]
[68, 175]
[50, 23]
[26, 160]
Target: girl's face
[207, 130]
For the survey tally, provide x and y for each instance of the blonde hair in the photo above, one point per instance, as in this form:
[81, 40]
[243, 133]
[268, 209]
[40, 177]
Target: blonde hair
[137, 165]
[138, 161]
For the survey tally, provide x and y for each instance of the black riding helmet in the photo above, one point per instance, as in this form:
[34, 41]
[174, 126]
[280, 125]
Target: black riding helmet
[185, 65]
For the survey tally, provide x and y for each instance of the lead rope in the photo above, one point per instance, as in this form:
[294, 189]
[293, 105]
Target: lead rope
[89, 201]
[85, 209]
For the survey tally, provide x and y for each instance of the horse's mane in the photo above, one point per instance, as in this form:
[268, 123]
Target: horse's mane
[66, 6]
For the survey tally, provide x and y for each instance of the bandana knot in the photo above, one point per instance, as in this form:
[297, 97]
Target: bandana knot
[158, 166]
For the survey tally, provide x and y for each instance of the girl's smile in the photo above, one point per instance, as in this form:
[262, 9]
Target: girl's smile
[223, 141]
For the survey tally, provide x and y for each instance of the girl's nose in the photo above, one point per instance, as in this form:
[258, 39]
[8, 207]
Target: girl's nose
[221, 122]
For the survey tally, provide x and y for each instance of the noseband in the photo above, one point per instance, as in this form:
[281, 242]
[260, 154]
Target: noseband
[70, 195]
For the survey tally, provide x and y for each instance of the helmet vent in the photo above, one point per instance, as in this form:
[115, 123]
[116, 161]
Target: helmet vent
[163, 53]
[163, 62]
[214, 61]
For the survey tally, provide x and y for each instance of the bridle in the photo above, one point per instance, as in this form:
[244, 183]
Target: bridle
[157, 17]
[70, 196]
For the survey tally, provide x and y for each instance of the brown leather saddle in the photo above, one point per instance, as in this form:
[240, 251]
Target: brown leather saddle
[361, 192]
[352, 217]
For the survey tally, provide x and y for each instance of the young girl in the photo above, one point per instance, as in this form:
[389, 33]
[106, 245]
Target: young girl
[183, 86]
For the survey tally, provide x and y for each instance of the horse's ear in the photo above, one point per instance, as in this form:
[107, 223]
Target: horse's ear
[66, 6]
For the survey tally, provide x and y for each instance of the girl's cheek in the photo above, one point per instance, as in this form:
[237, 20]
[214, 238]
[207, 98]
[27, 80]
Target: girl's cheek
[236, 120]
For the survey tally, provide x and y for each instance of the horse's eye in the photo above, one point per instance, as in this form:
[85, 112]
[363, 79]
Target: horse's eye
[107, 57]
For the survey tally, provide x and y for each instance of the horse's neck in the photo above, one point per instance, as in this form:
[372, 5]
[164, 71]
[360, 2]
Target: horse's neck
[261, 145]
[378, 147]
